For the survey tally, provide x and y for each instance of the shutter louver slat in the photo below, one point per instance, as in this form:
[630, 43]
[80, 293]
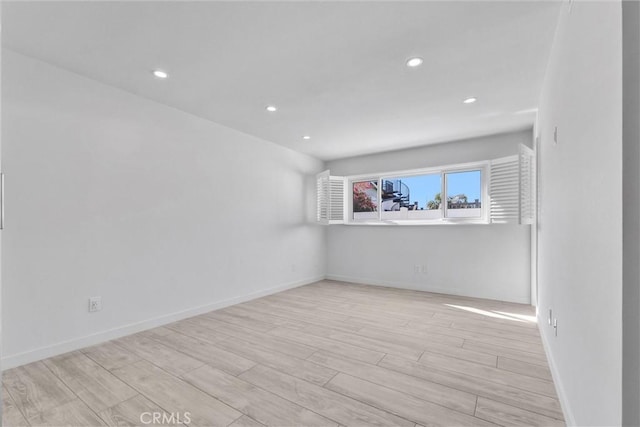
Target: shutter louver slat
[527, 185]
[504, 190]
[512, 188]
[336, 203]
[329, 198]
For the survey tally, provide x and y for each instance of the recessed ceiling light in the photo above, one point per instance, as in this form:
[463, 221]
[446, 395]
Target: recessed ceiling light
[470, 100]
[414, 62]
[160, 74]
[271, 108]
[306, 137]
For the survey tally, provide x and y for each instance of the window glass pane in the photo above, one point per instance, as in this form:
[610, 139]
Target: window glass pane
[464, 197]
[411, 197]
[365, 200]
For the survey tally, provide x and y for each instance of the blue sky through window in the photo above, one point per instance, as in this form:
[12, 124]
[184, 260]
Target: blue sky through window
[423, 188]
[467, 183]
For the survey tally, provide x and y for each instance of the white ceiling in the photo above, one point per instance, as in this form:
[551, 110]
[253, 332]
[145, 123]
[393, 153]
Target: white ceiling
[335, 70]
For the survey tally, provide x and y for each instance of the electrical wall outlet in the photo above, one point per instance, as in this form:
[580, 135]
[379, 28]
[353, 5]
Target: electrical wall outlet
[550, 317]
[95, 304]
[419, 269]
[555, 327]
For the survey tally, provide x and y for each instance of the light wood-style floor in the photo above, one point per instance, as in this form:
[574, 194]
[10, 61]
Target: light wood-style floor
[326, 354]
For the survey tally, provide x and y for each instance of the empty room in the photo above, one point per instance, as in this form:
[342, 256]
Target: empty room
[320, 213]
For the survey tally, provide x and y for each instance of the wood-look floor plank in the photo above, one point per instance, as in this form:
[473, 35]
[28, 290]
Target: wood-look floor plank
[407, 340]
[243, 321]
[194, 328]
[524, 368]
[503, 393]
[457, 316]
[306, 316]
[92, 383]
[357, 312]
[497, 350]
[299, 368]
[401, 404]
[330, 353]
[245, 421]
[159, 331]
[434, 343]
[489, 373]
[175, 395]
[493, 328]
[261, 405]
[35, 389]
[133, 412]
[533, 348]
[426, 390]
[11, 415]
[460, 318]
[208, 353]
[266, 340]
[374, 344]
[325, 402]
[340, 309]
[256, 315]
[508, 415]
[159, 354]
[402, 313]
[327, 344]
[461, 353]
[499, 332]
[110, 355]
[71, 414]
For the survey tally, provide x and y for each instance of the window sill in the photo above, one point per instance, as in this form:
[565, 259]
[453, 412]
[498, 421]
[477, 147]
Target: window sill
[404, 223]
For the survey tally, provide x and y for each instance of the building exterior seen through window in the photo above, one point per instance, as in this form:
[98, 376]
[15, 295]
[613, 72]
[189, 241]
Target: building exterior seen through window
[419, 197]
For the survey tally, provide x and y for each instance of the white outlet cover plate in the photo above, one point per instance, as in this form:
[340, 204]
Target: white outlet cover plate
[95, 304]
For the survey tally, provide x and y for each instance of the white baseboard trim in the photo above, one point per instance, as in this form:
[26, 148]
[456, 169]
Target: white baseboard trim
[422, 287]
[30, 356]
[562, 396]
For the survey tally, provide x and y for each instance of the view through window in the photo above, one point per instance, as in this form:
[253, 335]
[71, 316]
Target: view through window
[419, 197]
[365, 200]
[412, 197]
[464, 191]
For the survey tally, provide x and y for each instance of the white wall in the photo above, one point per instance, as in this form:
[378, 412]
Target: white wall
[1, 346]
[580, 250]
[631, 214]
[161, 213]
[486, 261]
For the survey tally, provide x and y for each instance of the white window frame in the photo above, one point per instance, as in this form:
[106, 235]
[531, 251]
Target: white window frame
[482, 166]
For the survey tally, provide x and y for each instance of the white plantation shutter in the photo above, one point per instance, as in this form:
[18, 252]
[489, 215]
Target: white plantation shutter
[504, 190]
[329, 198]
[322, 197]
[527, 185]
[336, 199]
[512, 188]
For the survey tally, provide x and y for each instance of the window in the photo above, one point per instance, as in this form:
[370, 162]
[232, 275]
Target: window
[493, 191]
[464, 194]
[365, 200]
[416, 196]
[411, 197]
